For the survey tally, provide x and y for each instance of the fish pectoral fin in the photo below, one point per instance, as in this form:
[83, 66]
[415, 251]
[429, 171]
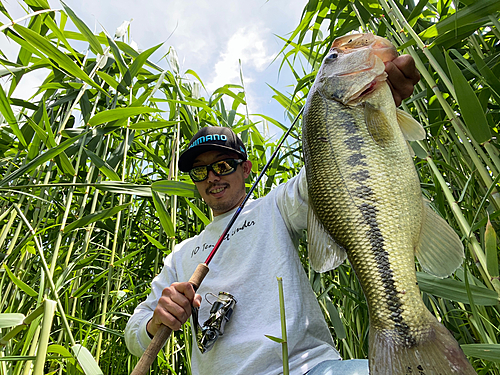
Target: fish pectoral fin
[439, 250]
[324, 253]
[378, 125]
[410, 149]
[412, 130]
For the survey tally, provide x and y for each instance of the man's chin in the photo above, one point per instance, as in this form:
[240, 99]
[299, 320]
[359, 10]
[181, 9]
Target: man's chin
[220, 208]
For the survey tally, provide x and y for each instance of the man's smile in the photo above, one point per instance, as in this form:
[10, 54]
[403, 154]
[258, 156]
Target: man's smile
[214, 190]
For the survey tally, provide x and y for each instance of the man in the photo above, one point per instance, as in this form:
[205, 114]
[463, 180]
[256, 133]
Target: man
[260, 247]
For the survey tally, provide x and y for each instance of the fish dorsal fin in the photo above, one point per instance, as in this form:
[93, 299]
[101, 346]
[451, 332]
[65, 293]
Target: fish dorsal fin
[412, 130]
[324, 253]
[378, 125]
[439, 250]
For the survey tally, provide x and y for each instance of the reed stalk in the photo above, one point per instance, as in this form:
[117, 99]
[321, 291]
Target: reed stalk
[102, 269]
[284, 343]
[43, 342]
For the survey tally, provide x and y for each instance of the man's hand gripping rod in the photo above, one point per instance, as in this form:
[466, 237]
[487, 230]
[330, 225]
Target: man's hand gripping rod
[162, 335]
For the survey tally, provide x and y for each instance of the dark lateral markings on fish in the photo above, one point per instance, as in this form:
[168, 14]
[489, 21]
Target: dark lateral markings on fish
[354, 143]
[369, 213]
[356, 160]
[364, 192]
[349, 125]
[360, 176]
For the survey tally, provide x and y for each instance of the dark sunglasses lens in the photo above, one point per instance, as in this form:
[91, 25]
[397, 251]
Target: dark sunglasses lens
[224, 167]
[220, 168]
[198, 174]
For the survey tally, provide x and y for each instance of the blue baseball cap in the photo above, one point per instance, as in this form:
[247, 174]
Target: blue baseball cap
[211, 138]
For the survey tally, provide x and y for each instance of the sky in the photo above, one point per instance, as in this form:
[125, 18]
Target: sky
[210, 37]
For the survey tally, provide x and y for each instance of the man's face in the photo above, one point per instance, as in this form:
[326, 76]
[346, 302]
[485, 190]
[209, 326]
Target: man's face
[222, 193]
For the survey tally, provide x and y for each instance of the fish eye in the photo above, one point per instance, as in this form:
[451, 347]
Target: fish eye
[333, 55]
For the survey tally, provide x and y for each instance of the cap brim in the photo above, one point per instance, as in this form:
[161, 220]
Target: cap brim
[187, 158]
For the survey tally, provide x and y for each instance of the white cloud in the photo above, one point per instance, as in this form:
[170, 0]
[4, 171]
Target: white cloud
[249, 46]
[209, 37]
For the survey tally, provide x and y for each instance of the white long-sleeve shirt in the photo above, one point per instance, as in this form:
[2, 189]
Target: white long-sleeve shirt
[261, 246]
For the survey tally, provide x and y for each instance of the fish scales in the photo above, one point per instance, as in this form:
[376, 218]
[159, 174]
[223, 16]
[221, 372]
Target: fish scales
[361, 203]
[365, 193]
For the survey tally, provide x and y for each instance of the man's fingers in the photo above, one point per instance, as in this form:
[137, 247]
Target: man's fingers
[186, 289]
[197, 301]
[398, 80]
[174, 307]
[172, 314]
[406, 65]
[402, 76]
[165, 314]
[175, 297]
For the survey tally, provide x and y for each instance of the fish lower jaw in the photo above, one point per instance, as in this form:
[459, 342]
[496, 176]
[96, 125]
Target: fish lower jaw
[365, 91]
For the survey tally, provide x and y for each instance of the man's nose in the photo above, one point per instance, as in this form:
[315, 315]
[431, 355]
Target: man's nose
[212, 177]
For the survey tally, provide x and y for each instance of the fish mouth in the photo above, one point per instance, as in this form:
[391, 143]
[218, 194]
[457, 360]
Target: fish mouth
[366, 90]
[381, 47]
[354, 97]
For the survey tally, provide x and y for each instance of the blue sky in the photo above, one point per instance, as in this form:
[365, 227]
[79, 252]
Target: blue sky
[208, 36]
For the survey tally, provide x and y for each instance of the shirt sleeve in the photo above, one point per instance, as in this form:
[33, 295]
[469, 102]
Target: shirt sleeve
[136, 336]
[292, 200]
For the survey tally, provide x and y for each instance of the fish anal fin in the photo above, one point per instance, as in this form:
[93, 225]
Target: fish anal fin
[412, 130]
[439, 250]
[378, 125]
[434, 351]
[324, 253]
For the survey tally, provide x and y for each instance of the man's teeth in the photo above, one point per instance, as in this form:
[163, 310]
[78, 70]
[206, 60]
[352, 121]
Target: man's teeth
[215, 191]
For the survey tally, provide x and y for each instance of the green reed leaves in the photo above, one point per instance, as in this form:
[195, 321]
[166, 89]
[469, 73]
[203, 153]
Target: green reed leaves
[89, 184]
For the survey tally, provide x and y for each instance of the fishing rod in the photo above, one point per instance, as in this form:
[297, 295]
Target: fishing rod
[162, 335]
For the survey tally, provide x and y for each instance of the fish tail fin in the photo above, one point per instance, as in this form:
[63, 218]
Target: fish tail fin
[434, 352]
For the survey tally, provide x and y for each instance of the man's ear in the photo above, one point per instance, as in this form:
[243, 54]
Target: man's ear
[247, 167]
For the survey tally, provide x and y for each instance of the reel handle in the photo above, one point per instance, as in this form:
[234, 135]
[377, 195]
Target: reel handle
[162, 335]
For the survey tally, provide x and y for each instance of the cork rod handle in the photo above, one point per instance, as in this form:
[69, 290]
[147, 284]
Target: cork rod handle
[162, 335]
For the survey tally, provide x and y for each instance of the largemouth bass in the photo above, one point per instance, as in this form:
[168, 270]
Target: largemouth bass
[365, 193]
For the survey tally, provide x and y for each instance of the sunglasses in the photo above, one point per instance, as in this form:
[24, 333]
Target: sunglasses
[220, 168]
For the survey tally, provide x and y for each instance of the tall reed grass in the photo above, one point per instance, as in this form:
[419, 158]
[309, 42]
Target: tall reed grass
[456, 48]
[91, 198]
